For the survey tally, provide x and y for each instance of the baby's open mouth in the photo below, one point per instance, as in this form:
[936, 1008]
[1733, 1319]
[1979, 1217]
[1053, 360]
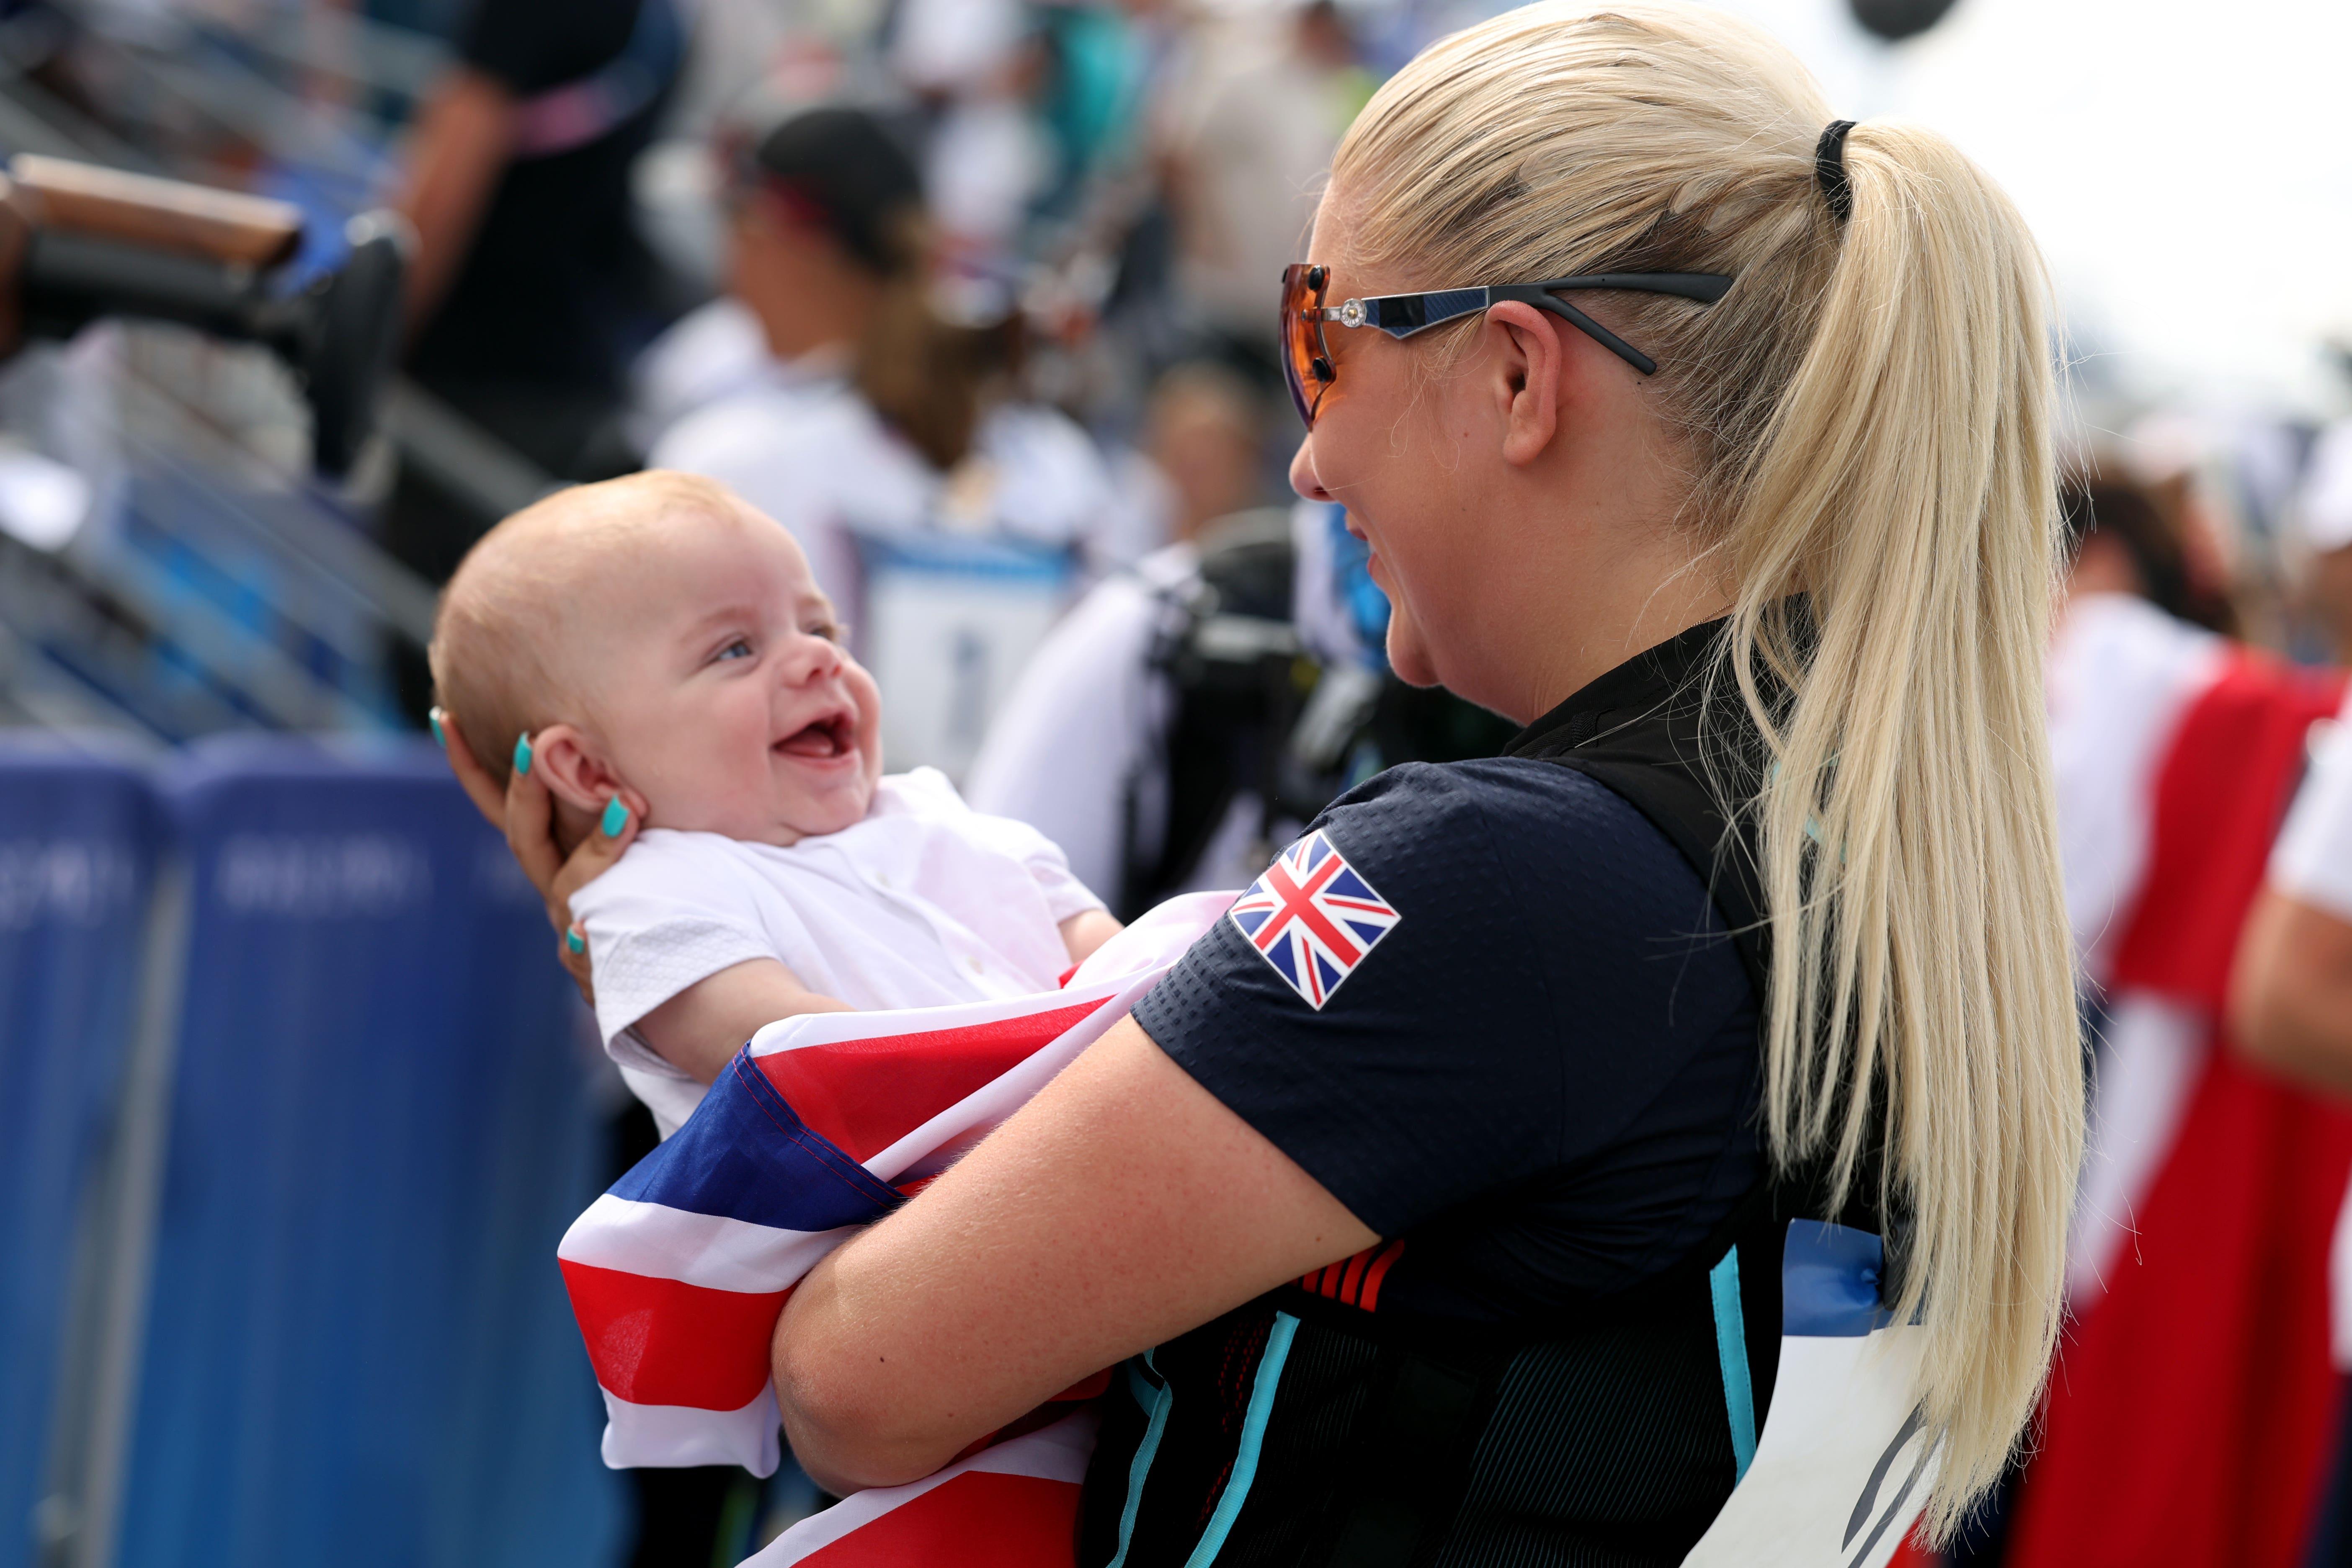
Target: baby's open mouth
[827, 735]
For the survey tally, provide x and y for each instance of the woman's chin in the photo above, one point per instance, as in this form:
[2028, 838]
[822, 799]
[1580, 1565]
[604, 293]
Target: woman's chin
[1408, 658]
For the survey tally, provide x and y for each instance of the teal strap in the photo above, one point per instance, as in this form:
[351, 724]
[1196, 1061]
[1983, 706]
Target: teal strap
[1261, 1407]
[1731, 1347]
[1161, 1398]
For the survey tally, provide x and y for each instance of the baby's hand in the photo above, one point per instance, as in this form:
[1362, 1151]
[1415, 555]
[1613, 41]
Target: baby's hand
[525, 811]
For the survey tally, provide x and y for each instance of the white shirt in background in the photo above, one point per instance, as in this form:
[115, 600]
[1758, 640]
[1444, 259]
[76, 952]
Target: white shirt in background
[814, 455]
[2120, 677]
[712, 354]
[1082, 725]
[923, 903]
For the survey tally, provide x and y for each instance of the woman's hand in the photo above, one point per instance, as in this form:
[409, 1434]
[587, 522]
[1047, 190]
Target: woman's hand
[1121, 1207]
[525, 812]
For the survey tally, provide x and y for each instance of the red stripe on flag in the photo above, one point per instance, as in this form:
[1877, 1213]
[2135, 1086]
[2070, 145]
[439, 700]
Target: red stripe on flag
[1370, 1299]
[664, 1341]
[836, 1090]
[980, 1519]
[1355, 1274]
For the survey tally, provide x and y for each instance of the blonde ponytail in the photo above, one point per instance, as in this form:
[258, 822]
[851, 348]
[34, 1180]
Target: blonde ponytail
[1868, 415]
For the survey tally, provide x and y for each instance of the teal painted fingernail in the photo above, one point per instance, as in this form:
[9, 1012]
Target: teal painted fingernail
[522, 753]
[575, 942]
[440, 736]
[616, 817]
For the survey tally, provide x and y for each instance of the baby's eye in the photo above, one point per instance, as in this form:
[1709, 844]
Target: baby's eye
[739, 648]
[829, 631]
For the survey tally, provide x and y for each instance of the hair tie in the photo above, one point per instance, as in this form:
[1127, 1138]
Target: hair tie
[1829, 169]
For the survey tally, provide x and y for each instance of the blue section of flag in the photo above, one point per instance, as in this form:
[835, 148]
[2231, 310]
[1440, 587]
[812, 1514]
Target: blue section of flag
[745, 1155]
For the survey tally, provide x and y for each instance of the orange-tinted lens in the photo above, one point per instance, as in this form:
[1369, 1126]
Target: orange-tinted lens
[1305, 370]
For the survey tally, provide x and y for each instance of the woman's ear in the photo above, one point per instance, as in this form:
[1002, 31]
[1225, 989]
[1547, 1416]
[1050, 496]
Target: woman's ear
[1525, 378]
[576, 774]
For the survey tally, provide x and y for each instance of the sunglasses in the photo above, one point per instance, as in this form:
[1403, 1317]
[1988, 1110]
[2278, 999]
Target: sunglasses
[1307, 358]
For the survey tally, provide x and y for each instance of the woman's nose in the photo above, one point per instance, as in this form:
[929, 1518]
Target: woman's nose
[1302, 471]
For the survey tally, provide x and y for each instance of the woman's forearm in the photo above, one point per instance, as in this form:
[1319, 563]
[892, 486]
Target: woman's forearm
[1122, 1206]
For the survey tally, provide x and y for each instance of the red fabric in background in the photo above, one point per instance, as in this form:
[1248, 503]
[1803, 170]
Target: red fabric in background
[2190, 1410]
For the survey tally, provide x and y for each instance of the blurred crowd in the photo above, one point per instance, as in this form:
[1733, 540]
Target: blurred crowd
[976, 297]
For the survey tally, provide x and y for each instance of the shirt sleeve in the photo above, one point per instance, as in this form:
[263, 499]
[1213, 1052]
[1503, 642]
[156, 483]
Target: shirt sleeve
[506, 39]
[928, 791]
[529, 46]
[1049, 868]
[2313, 860]
[672, 912]
[1553, 966]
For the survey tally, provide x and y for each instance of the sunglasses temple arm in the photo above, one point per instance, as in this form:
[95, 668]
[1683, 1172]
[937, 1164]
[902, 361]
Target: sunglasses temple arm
[1593, 330]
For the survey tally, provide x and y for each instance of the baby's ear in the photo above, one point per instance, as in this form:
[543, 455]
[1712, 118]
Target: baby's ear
[577, 774]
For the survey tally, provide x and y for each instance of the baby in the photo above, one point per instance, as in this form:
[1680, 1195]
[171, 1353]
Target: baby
[656, 635]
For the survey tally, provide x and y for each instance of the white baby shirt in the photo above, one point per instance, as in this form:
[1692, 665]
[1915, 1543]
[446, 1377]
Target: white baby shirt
[923, 902]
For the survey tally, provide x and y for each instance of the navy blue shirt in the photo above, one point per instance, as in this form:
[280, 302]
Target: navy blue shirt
[1543, 1076]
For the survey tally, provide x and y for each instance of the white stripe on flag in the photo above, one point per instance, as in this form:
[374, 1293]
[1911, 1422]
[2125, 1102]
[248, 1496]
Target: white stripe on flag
[1055, 1453]
[805, 1030]
[663, 1437]
[709, 1250]
[1160, 937]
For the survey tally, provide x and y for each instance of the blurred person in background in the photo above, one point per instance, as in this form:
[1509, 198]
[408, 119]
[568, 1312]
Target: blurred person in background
[2291, 995]
[1064, 752]
[2187, 1418]
[528, 282]
[1191, 716]
[2291, 1010]
[2322, 535]
[873, 417]
[1249, 135]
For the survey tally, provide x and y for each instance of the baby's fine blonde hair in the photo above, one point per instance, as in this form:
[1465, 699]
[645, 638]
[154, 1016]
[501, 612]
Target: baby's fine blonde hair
[521, 600]
[1867, 413]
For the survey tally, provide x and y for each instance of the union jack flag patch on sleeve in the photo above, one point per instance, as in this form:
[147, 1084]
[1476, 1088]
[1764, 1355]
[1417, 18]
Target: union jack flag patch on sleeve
[1313, 916]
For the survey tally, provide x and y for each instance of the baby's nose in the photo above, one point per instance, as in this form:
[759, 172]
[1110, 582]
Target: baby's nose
[813, 657]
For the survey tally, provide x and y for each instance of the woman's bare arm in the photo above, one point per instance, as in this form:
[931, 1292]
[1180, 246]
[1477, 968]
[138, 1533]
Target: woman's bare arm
[464, 134]
[1122, 1206]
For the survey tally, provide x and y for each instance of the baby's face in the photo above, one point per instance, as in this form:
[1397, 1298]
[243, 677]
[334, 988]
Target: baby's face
[723, 694]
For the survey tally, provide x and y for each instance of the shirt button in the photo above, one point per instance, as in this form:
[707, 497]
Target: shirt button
[882, 879]
[977, 966]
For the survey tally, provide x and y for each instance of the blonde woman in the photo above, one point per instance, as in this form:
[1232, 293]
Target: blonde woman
[1708, 437]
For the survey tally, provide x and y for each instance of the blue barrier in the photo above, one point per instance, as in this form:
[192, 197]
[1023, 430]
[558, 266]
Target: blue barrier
[357, 1347]
[78, 839]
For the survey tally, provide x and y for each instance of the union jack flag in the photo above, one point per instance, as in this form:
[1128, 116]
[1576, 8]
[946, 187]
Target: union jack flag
[1313, 916]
